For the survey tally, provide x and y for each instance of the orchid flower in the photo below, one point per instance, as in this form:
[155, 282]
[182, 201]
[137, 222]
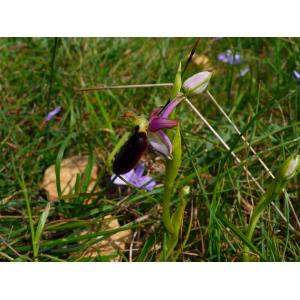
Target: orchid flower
[159, 118]
[158, 121]
[136, 178]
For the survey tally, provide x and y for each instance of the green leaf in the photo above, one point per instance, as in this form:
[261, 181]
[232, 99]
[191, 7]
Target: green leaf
[41, 224]
[59, 158]
[172, 168]
[177, 83]
[241, 236]
[88, 170]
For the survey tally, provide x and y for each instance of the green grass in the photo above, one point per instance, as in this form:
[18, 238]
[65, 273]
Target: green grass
[264, 104]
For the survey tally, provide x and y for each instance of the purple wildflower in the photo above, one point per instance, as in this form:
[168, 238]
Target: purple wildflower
[296, 75]
[244, 71]
[229, 58]
[136, 178]
[52, 114]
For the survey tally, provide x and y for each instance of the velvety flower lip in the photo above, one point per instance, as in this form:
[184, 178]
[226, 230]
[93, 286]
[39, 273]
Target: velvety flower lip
[229, 58]
[159, 121]
[52, 114]
[136, 178]
[296, 76]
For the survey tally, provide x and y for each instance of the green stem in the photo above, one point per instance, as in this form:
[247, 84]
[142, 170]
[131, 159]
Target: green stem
[21, 181]
[273, 192]
[166, 209]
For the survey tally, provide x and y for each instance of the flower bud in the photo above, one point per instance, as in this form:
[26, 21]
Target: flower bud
[186, 190]
[290, 167]
[197, 84]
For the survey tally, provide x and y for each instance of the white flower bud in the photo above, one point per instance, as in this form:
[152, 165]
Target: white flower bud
[197, 84]
[186, 190]
[290, 167]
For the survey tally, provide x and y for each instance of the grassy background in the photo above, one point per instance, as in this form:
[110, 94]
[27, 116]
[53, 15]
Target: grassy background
[265, 102]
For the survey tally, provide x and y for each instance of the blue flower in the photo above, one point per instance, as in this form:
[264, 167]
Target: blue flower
[52, 114]
[296, 75]
[229, 58]
[136, 178]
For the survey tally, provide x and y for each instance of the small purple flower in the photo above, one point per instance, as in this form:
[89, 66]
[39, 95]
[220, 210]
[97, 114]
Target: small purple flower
[158, 121]
[244, 71]
[296, 75]
[229, 58]
[52, 114]
[136, 178]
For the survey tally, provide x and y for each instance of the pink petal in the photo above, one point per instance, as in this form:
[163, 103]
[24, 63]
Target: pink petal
[167, 141]
[171, 106]
[157, 123]
[157, 143]
[155, 111]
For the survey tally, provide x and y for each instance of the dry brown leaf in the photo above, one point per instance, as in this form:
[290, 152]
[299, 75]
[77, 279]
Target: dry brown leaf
[248, 207]
[69, 169]
[201, 60]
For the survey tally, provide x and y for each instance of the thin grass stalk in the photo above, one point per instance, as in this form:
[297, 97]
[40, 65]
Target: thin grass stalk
[235, 157]
[256, 155]
[121, 87]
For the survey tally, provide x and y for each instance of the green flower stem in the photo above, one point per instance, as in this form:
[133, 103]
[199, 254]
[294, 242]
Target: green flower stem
[172, 168]
[171, 239]
[272, 193]
[166, 209]
[288, 170]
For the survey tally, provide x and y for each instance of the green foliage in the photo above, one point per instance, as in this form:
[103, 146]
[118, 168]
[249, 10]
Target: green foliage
[264, 104]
